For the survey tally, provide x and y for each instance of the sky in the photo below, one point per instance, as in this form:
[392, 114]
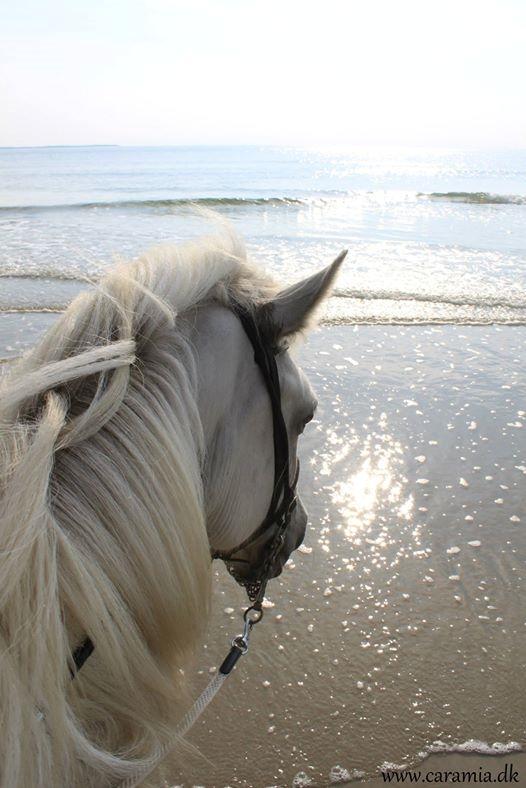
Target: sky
[433, 73]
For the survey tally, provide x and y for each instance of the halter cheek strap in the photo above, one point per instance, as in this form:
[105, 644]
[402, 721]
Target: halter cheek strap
[283, 499]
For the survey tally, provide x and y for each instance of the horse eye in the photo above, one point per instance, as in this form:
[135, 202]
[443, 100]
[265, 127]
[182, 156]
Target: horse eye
[304, 423]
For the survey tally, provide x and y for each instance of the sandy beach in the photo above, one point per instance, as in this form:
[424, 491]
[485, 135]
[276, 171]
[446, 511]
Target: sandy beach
[398, 628]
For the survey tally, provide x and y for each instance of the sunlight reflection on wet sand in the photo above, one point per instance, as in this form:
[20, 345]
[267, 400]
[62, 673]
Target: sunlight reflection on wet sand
[402, 620]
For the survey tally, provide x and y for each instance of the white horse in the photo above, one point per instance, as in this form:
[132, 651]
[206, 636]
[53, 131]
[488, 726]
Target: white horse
[136, 438]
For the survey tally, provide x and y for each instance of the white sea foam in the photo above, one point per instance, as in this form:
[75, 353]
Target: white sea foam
[474, 745]
[387, 766]
[339, 775]
[301, 780]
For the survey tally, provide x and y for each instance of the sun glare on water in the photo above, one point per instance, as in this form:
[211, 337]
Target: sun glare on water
[376, 483]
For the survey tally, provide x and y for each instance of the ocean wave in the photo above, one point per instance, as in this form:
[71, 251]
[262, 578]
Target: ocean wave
[43, 273]
[180, 202]
[350, 319]
[346, 305]
[476, 198]
[462, 299]
[359, 294]
[319, 199]
[416, 320]
[32, 309]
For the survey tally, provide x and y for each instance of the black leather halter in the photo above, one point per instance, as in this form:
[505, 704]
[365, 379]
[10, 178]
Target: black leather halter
[283, 501]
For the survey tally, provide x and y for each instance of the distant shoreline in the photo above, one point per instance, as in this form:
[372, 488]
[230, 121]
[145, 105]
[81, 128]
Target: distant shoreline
[39, 147]
[284, 145]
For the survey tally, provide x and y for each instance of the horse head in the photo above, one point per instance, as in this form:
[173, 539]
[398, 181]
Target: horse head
[239, 423]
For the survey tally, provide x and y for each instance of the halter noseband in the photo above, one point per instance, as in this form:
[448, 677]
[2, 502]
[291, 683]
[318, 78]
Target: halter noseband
[283, 501]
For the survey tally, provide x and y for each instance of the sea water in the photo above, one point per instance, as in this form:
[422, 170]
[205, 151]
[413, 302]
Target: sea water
[433, 236]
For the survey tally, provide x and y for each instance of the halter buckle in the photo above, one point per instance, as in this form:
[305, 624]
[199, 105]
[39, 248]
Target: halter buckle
[292, 505]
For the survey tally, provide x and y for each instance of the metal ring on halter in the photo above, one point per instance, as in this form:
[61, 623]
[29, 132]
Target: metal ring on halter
[250, 620]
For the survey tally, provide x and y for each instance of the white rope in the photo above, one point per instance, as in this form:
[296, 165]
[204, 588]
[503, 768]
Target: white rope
[238, 648]
[182, 728]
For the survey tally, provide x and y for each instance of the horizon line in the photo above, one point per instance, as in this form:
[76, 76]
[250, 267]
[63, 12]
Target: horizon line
[393, 146]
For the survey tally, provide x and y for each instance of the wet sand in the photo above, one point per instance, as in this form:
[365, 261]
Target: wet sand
[402, 621]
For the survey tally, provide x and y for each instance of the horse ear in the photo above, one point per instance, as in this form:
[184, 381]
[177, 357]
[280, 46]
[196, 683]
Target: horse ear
[292, 309]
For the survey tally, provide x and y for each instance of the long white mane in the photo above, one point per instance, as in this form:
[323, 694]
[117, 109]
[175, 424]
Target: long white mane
[102, 528]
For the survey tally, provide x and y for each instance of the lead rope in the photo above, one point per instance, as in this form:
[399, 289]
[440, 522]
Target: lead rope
[239, 648]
